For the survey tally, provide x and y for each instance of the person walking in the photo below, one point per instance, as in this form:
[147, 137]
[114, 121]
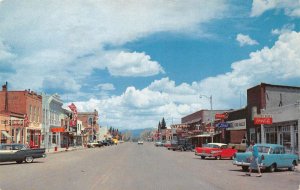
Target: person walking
[254, 160]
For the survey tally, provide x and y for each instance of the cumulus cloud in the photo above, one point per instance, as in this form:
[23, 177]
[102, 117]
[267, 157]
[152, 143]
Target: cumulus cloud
[70, 38]
[133, 64]
[291, 7]
[245, 40]
[138, 108]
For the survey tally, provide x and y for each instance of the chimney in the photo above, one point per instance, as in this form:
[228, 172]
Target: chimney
[4, 87]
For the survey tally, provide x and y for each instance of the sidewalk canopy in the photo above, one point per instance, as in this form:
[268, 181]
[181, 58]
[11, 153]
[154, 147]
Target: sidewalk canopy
[6, 134]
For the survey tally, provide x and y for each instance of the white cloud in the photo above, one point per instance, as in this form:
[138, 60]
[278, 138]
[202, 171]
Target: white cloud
[245, 40]
[105, 87]
[163, 98]
[133, 64]
[291, 7]
[286, 28]
[70, 38]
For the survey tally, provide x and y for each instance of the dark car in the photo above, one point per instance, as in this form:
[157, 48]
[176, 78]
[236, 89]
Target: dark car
[181, 144]
[20, 153]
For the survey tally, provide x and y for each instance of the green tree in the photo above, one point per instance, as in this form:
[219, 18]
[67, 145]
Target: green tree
[163, 124]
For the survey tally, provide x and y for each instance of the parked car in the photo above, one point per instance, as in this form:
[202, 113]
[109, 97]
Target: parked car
[241, 147]
[140, 142]
[20, 153]
[271, 157]
[215, 150]
[167, 144]
[158, 143]
[93, 144]
[181, 144]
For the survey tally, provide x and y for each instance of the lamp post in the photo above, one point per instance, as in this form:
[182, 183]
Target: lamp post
[211, 118]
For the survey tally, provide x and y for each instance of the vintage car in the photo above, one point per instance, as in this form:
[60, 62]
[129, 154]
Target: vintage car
[140, 142]
[271, 157]
[158, 143]
[215, 150]
[19, 153]
[167, 144]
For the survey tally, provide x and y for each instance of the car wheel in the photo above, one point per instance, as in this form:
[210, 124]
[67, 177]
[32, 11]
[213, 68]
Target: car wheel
[272, 168]
[232, 157]
[218, 158]
[293, 167]
[245, 168]
[181, 149]
[203, 157]
[19, 161]
[29, 159]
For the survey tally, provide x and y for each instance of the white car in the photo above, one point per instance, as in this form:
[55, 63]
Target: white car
[140, 142]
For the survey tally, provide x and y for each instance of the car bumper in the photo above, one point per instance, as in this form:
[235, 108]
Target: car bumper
[237, 163]
[204, 154]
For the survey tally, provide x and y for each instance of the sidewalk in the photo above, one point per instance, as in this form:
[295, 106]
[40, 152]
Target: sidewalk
[52, 150]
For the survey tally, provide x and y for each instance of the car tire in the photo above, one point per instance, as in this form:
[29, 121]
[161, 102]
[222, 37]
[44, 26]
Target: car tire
[272, 168]
[203, 157]
[181, 149]
[19, 161]
[245, 168]
[293, 167]
[218, 158]
[28, 159]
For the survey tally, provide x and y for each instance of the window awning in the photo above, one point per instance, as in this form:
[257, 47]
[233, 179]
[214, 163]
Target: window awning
[6, 134]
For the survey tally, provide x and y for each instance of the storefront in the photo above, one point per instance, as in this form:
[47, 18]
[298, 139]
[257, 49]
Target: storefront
[33, 138]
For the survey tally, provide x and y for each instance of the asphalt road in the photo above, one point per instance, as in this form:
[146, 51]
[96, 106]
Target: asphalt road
[130, 166]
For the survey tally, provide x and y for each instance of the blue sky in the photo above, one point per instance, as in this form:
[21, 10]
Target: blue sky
[138, 61]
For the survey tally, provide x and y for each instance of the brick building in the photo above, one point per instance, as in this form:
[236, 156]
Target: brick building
[282, 104]
[201, 126]
[90, 124]
[237, 126]
[28, 104]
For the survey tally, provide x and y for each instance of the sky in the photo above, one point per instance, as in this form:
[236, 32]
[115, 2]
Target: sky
[139, 61]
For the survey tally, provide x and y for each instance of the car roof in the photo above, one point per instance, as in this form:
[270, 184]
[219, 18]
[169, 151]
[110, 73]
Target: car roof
[269, 145]
[219, 144]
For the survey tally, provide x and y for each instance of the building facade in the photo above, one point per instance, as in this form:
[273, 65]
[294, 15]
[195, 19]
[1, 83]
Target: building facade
[279, 103]
[90, 123]
[53, 114]
[28, 104]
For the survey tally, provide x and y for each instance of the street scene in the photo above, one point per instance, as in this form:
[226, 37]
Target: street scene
[133, 166]
[152, 94]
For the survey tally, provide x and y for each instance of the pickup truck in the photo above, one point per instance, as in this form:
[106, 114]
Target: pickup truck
[182, 145]
[20, 153]
[239, 147]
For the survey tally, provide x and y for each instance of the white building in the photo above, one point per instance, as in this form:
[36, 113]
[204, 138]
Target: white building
[53, 113]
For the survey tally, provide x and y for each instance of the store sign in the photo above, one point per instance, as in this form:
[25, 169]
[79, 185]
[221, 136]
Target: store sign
[223, 125]
[263, 120]
[57, 130]
[221, 115]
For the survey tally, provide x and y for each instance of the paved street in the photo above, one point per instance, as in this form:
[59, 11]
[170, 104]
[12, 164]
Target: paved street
[135, 167]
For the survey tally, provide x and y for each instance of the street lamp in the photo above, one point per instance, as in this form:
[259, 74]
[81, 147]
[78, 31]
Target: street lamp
[210, 101]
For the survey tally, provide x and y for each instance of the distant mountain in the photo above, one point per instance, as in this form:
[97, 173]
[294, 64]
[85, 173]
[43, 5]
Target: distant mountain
[136, 132]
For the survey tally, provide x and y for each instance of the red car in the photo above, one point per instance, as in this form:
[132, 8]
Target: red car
[215, 150]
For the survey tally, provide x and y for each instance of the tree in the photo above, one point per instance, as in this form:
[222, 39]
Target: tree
[163, 124]
[159, 126]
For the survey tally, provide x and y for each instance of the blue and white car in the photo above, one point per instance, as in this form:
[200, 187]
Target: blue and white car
[271, 157]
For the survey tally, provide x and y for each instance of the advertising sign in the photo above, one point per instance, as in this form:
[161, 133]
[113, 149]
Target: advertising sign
[263, 120]
[221, 115]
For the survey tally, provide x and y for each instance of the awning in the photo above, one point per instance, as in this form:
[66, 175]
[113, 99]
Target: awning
[6, 134]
